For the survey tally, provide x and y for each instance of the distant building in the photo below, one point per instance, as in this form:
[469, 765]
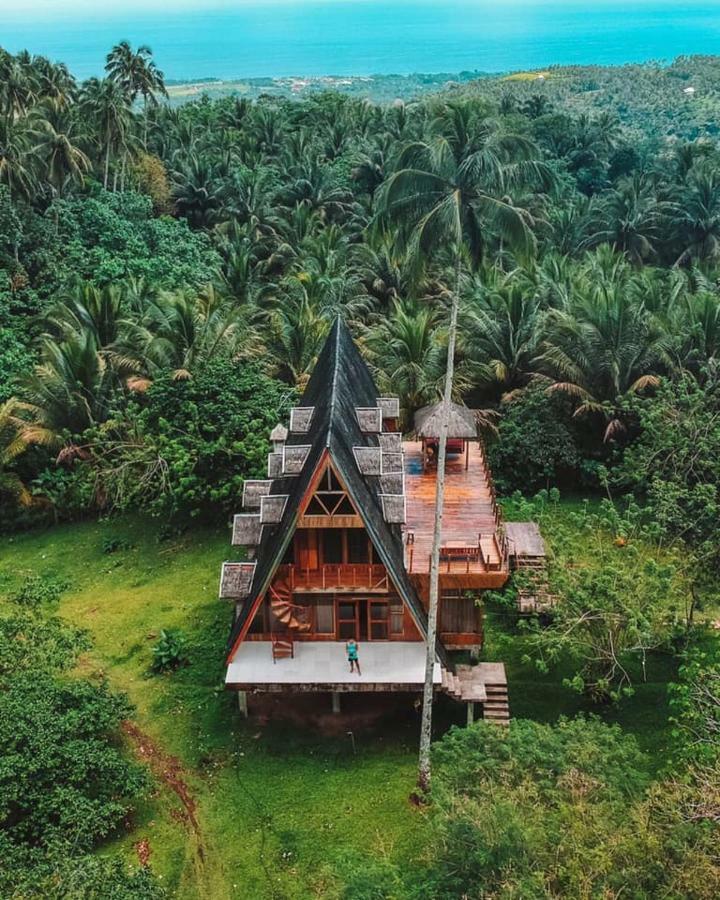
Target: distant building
[338, 540]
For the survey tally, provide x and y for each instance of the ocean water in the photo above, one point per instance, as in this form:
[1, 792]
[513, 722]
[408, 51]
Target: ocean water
[247, 38]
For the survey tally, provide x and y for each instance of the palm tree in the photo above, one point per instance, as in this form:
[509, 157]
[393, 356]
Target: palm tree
[628, 218]
[504, 325]
[14, 438]
[17, 159]
[695, 217]
[63, 160]
[17, 88]
[294, 331]
[106, 105]
[448, 195]
[137, 74]
[604, 344]
[198, 190]
[178, 333]
[86, 307]
[407, 353]
[695, 325]
[73, 386]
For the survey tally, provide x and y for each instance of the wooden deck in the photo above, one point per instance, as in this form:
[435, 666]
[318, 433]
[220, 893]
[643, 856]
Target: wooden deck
[471, 554]
[524, 540]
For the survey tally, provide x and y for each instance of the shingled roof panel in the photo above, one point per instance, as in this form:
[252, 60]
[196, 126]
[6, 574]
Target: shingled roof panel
[369, 418]
[236, 580]
[390, 441]
[253, 491]
[368, 459]
[392, 463]
[301, 418]
[272, 508]
[390, 407]
[294, 456]
[275, 464]
[247, 530]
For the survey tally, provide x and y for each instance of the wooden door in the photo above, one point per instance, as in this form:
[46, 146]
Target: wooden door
[307, 548]
[378, 620]
[348, 620]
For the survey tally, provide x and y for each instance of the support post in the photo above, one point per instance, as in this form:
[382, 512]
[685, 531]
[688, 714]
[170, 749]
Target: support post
[335, 702]
[242, 703]
[470, 712]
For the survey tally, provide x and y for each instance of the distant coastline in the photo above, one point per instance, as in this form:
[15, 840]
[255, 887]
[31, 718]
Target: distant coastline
[381, 88]
[376, 87]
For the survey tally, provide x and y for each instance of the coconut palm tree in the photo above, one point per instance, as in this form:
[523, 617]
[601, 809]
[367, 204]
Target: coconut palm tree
[406, 349]
[695, 217]
[86, 307]
[294, 331]
[106, 106]
[629, 219]
[136, 73]
[63, 160]
[603, 345]
[503, 330]
[448, 195]
[17, 159]
[177, 333]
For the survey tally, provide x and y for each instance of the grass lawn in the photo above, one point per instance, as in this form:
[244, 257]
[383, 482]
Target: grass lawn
[271, 810]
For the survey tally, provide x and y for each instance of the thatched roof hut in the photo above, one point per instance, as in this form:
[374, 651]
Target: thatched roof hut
[462, 424]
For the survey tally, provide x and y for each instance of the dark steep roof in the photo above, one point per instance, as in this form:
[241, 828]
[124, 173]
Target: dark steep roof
[340, 383]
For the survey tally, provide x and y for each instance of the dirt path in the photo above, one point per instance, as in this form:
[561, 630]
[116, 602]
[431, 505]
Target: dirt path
[170, 772]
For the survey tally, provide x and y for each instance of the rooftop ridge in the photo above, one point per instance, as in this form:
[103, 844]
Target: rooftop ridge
[337, 327]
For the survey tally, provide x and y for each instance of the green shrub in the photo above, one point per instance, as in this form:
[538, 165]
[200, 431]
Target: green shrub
[169, 652]
[63, 776]
[40, 589]
[536, 445]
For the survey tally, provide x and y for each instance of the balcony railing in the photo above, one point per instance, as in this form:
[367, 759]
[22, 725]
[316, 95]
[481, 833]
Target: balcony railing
[336, 576]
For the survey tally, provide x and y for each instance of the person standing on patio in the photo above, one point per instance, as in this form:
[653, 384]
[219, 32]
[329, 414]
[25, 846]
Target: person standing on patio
[352, 655]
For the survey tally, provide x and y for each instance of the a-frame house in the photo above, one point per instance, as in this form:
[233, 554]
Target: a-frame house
[335, 540]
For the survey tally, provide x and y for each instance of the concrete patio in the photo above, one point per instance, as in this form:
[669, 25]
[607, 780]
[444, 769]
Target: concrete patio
[323, 666]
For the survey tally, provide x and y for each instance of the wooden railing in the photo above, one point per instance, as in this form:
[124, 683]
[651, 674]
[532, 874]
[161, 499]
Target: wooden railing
[331, 576]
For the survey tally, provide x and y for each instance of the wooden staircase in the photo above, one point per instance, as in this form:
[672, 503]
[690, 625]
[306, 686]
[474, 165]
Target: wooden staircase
[484, 683]
[497, 708]
[534, 596]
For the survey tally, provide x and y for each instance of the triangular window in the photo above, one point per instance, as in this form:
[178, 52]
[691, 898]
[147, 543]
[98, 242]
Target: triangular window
[330, 497]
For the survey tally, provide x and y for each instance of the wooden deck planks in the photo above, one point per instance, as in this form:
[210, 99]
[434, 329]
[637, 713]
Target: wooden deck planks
[524, 539]
[468, 509]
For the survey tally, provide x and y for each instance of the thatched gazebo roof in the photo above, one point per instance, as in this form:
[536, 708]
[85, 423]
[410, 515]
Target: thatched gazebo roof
[462, 424]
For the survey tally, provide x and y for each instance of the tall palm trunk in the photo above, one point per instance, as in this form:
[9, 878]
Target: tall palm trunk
[428, 690]
[107, 165]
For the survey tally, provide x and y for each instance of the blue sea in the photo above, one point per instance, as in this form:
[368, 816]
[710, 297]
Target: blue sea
[246, 38]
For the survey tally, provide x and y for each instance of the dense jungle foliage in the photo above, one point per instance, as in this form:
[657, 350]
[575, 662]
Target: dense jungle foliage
[167, 278]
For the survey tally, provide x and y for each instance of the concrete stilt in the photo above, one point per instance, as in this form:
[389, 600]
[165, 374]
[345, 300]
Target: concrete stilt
[242, 703]
[335, 702]
[470, 713]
